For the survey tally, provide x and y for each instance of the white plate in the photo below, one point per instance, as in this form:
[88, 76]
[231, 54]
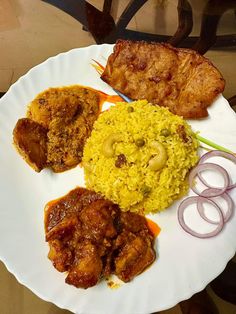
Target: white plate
[185, 264]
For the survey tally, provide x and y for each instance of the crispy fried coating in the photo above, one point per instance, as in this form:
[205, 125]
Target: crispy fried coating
[90, 238]
[134, 256]
[177, 78]
[86, 269]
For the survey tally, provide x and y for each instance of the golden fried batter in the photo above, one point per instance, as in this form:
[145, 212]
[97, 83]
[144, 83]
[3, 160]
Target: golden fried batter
[177, 78]
[67, 115]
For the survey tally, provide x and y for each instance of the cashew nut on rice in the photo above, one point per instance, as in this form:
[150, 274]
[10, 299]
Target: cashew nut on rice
[159, 159]
[107, 147]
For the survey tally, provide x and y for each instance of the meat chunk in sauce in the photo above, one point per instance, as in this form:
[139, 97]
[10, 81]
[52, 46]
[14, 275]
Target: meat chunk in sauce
[90, 238]
[60, 120]
[30, 139]
[134, 256]
[86, 269]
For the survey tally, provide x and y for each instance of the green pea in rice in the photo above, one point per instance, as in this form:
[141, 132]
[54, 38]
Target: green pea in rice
[133, 185]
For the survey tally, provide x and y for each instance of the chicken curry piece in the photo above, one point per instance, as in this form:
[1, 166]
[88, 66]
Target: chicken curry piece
[58, 122]
[90, 238]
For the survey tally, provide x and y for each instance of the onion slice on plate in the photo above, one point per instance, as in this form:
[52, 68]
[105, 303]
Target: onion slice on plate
[199, 200]
[206, 195]
[216, 153]
[226, 197]
[209, 166]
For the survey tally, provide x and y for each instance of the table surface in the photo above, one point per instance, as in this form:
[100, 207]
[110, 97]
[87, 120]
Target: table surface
[32, 31]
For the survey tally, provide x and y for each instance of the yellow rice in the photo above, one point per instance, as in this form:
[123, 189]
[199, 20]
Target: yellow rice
[125, 185]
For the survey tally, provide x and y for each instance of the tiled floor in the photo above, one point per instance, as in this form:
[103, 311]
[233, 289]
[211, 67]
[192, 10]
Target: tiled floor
[30, 32]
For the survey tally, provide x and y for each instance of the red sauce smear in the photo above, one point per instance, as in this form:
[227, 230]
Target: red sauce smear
[104, 97]
[110, 98]
[153, 227]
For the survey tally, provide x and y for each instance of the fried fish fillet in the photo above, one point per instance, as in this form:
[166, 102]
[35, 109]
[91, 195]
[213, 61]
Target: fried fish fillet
[177, 78]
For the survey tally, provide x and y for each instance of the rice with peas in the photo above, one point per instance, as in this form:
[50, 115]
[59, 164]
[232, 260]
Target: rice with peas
[117, 156]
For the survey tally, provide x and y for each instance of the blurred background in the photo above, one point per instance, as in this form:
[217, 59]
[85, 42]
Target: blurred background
[33, 30]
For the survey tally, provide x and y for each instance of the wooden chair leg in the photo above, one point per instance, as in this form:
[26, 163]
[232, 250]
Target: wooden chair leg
[185, 17]
[208, 33]
[212, 13]
[107, 6]
[132, 8]
[98, 23]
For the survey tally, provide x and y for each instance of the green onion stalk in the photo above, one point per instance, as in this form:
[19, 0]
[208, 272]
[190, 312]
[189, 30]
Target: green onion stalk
[212, 144]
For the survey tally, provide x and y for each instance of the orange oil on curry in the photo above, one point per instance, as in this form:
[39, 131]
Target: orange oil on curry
[103, 96]
[110, 98]
[153, 227]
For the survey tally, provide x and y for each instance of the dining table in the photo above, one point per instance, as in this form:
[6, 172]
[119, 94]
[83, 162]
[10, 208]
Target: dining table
[41, 43]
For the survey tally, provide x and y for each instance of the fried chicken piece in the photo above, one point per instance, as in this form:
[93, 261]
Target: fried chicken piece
[70, 204]
[133, 222]
[134, 245]
[177, 78]
[66, 226]
[30, 139]
[60, 255]
[98, 221]
[87, 266]
[134, 257]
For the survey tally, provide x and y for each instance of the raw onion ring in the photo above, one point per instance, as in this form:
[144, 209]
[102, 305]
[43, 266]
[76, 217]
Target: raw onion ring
[195, 199]
[206, 166]
[210, 192]
[228, 200]
[216, 153]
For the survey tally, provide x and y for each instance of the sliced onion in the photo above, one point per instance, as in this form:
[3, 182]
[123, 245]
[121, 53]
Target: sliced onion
[209, 166]
[195, 199]
[216, 153]
[225, 196]
[210, 192]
